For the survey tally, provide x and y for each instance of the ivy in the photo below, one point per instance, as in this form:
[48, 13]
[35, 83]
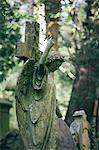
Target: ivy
[9, 36]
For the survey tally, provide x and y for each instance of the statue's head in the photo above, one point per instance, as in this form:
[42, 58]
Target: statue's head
[52, 62]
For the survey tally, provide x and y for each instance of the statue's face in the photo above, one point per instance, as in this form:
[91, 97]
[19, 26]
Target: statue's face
[40, 82]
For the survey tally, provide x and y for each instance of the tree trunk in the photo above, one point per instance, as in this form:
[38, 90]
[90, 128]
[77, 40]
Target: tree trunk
[86, 65]
[51, 9]
[83, 93]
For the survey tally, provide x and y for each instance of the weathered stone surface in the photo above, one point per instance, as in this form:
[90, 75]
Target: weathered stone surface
[66, 141]
[29, 49]
[36, 107]
[12, 141]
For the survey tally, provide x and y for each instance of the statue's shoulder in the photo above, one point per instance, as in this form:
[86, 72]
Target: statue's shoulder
[27, 70]
[28, 67]
[24, 79]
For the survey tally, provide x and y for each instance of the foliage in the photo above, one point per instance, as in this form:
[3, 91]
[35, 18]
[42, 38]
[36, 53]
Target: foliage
[85, 41]
[9, 36]
[76, 41]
